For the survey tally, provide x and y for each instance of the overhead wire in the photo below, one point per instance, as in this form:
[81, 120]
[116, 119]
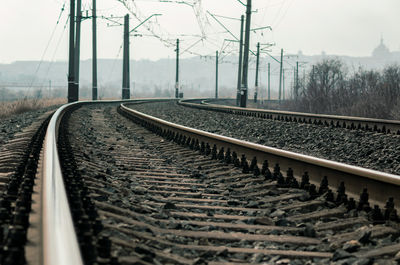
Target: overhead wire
[46, 48]
[202, 20]
[55, 51]
[284, 14]
[114, 61]
[194, 47]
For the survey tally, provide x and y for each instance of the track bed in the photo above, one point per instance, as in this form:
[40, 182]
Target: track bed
[152, 201]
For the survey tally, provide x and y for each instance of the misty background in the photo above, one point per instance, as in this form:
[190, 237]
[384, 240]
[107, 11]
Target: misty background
[34, 43]
[157, 78]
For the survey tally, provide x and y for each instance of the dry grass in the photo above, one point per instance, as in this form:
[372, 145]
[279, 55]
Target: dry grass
[20, 106]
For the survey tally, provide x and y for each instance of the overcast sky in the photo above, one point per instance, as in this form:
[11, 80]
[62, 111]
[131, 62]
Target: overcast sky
[341, 27]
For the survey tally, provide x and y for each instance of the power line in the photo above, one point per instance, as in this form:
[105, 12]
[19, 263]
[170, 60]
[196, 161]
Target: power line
[55, 51]
[284, 14]
[47, 46]
[115, 60]
[199, 43]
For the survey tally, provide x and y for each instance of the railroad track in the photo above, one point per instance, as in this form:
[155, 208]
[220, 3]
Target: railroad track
[18, 167]
[349, 122]
[152, 192]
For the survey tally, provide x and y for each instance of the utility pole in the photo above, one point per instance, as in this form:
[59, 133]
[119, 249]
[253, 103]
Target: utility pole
[78, 42]
[297, 79]
[94, 50]
[216, 74]
[72, 89]
[177, 70]
[269, 81]
[243, 92]
[280, 77]
[257, 64]
[240, 61]
[294, 83]
[126, 93]
[283, 84]
[125, 67]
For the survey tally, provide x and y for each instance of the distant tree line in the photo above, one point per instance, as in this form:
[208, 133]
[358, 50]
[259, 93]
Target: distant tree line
[329, 89]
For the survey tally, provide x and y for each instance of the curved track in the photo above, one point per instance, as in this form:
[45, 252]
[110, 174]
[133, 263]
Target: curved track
[53, 234]
[109, 191]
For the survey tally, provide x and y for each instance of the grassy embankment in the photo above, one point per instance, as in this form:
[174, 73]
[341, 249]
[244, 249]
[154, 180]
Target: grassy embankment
[20, 106]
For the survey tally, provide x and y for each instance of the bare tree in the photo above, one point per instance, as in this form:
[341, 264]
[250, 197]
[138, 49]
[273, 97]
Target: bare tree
[367, 93]
[323, 83]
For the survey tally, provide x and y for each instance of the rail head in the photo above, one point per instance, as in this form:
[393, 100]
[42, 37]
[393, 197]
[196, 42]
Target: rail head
[59, 240]
[316, 165]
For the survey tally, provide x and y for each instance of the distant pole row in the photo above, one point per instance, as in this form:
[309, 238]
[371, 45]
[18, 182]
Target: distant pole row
[243, 67]
[74, 52]
[242, 87]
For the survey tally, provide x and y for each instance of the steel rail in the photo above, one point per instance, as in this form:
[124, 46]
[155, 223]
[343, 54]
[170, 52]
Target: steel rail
[380, 185]
[350, 122]
[59, 240]
[59, 244]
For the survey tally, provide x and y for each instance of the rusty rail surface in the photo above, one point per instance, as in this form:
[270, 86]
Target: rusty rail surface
[380, 185]
[378, 125]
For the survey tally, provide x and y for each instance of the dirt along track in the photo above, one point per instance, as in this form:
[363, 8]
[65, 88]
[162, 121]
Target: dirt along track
[355, 147]
[146, 200]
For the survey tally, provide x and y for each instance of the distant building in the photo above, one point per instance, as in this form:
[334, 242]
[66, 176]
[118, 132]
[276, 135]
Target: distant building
[300, 53]
[381, 51]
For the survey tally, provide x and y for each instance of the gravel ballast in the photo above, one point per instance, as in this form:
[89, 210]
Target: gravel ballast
[13, 124]
[156, 202]
[356, 147]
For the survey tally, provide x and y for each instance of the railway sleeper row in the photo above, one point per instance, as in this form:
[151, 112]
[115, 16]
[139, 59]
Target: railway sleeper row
[226, 156]
[340, 201]
[16, 197]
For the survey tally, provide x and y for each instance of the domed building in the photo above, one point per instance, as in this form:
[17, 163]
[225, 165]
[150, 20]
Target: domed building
[381, 50]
